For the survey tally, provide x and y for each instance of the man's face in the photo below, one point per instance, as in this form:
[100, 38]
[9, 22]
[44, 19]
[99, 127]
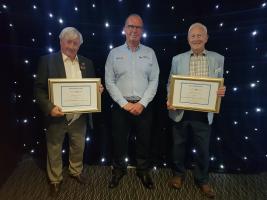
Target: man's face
[70, 47]
[133, 29]
[197, 38]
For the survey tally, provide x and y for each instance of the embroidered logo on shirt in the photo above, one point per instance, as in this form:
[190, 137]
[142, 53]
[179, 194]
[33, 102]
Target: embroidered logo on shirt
[145, 57]
[119, 58]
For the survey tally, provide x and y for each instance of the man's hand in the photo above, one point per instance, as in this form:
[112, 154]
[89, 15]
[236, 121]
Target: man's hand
[169, 106]
[101, 88]
[136, 109]
[221, 91]
[128, 106]
[56, 112]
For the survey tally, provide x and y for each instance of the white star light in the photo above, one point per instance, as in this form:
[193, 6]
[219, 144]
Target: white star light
[93, 5]
[175, 37]
[34, 7]
[212, 158]
[26, 61]
[235, 122]
[50, 49]
[106, 24]
[144, 35]
[246, 113]
[227, 72]
[33, 39]
[172, 7]
[34, 100]
[50, 15]
[93, 34]
[63, 151]
[11, 25]
[110, 46]
[218, 138]
[4, 6]
[252, 85]
[252, 66]
[87, 139]
[254, 33]
[60, 20]
[217, 6]
[258, 109]
[255, 129]
[235, 89]
[148, 5]
[126, 159]
[25, 121]
[49, 33]
[76, 8]
[222, 166]
[263, 5]
[103, 160]
[235, 29]
[246, 137]
[194, 150]
[221, 24]
[154, 168]
[245, 158]
[32, 151]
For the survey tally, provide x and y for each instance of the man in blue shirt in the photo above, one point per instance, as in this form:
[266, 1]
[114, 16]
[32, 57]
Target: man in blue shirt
[131, 77]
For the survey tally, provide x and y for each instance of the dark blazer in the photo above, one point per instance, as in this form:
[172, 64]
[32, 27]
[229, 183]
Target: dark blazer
[52, 66]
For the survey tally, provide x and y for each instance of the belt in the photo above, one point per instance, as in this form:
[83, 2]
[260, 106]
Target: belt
[133, 101]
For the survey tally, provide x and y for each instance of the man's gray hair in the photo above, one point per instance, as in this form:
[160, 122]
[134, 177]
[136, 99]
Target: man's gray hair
[133, 15]
[198, 25]
[70, 33]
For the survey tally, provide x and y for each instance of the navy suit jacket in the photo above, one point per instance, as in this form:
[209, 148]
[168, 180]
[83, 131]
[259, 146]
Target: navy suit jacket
[52, 66]
[180, 66]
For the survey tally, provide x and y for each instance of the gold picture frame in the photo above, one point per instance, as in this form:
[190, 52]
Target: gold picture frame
[195, 93]
[75, 95]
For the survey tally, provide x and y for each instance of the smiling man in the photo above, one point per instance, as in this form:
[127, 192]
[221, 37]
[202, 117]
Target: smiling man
[63, 64]
[131, 77]
[201, 63]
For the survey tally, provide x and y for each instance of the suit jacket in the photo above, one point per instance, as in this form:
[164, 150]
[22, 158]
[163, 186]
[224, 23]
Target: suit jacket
[180, 66]
[52, 66]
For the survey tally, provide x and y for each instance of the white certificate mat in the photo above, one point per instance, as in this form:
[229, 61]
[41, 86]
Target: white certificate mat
[195, 93]
[76, 95]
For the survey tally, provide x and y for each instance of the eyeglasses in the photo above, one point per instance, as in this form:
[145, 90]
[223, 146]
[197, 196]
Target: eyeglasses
[132, 27]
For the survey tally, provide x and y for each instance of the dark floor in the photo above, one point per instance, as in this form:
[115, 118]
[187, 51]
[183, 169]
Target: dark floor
[28, 182]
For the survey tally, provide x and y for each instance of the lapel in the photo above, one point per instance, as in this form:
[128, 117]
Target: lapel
[186, 63]
[82, 66]
[59, 65]
[211, 64]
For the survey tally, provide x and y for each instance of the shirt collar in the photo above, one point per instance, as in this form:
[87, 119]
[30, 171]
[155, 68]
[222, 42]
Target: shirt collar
[127, 46]
[65, 57]
[204, 53]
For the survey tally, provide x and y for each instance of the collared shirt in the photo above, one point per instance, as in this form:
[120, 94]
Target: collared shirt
[131, 75]
[72, 69]
[199, 65]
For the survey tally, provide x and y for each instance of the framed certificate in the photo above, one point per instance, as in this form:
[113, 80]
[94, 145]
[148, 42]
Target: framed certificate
[195, 93]
[75, 95]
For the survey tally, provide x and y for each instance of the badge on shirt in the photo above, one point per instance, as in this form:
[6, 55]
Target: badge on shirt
[82, 66]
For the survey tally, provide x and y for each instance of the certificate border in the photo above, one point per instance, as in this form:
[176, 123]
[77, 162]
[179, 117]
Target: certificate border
[52, 81]
[220, 82]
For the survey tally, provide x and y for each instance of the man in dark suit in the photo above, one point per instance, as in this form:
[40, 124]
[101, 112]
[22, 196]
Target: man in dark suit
[64, 64]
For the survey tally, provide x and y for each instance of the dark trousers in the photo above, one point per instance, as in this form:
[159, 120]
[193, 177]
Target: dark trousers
[122, 123]
[201, 137]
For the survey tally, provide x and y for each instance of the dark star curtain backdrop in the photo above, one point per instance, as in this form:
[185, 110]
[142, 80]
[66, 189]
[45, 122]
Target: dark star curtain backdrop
[237, 30]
